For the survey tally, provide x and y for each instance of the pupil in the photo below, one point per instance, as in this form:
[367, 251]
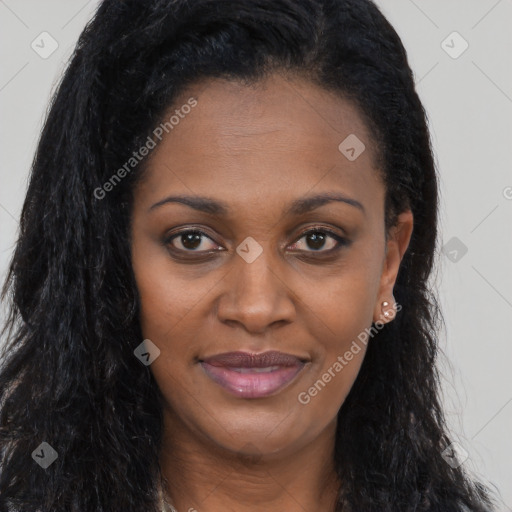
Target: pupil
[315, 240]
[191, 240]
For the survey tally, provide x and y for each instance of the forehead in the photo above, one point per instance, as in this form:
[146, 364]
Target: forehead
[275, 139]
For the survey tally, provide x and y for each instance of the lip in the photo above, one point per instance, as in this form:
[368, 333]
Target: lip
[249, 375]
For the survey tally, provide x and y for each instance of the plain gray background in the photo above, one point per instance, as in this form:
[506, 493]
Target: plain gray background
[468, 98]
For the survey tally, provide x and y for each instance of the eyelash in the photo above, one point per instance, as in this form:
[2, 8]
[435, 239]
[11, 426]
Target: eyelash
[340, 242]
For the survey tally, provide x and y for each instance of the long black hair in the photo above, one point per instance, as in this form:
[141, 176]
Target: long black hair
[69, 375]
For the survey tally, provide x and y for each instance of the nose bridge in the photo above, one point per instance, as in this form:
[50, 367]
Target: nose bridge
[256, 276]
[256, 295]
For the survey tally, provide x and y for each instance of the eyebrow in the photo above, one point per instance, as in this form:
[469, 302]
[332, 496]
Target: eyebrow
[297, 207]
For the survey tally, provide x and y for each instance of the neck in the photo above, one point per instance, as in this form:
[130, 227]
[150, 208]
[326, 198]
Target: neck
[202, 476]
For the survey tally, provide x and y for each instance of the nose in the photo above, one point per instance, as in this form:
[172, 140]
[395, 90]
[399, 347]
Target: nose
[256, 296]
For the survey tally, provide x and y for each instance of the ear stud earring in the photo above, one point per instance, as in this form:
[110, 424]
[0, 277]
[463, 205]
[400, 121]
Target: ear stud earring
[389, 314]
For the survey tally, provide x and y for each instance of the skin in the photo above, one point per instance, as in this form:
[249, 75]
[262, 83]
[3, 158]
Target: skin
[258, 148]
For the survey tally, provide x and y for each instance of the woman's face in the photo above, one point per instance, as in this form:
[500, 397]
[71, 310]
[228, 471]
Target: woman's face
[254, 232]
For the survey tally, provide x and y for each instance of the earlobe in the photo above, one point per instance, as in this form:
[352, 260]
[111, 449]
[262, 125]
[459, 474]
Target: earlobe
[388, 312]
[396, 246]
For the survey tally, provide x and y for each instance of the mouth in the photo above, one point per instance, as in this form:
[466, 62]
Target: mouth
[249, 375]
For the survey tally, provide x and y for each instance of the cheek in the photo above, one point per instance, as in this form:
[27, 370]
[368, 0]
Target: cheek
[165, 296]
[340, 314]
[341, 347]
[161, 305]
[344, 300]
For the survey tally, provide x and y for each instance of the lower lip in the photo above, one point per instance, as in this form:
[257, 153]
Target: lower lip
[251, 384]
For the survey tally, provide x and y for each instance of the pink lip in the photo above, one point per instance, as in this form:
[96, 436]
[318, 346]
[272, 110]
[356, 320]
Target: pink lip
[252, 375]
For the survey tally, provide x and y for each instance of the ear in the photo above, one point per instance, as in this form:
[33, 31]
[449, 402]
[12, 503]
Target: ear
[398, 240]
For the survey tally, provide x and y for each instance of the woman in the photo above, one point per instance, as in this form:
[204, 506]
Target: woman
[220, 296]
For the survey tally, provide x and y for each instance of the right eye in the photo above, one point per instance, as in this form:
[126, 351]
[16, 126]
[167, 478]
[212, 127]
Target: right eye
[192, 241]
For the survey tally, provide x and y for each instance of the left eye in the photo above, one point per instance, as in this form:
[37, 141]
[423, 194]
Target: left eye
[318, 241]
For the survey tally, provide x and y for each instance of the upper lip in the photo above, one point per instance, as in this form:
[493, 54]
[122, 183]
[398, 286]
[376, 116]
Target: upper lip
[249, 360]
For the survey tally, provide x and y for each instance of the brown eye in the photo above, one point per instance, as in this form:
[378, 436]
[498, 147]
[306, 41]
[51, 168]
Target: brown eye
[319, 241]
[192, 241]
[315, 240]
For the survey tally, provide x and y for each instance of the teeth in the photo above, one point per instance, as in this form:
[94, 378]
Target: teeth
[268, 369]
